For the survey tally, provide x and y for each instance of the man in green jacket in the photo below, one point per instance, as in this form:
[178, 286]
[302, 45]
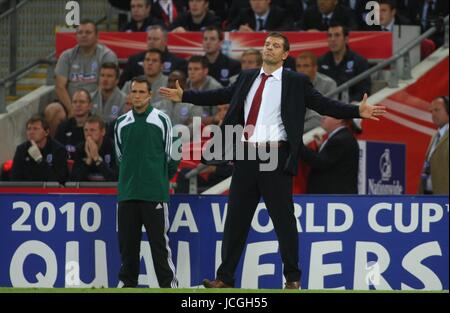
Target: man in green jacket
[143, 141]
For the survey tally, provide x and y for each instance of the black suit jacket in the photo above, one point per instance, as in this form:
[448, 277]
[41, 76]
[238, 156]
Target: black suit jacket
[185, 20]
[293, 8]
[52, 167]
[399, 20]
[134, 66]
[312, 19]
[433, 18]
[277, 19]
[296, 95]
[149, 21]
[416, 10]
[358, 11]
[334, 170]
[158, 12]
[106, 171]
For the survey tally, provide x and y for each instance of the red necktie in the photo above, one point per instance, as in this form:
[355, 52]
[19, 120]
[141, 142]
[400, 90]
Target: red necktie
[174, 13]
[171, 14]
[254, 109]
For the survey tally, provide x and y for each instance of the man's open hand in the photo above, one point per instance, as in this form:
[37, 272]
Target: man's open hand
[371, 111]
[174, 95]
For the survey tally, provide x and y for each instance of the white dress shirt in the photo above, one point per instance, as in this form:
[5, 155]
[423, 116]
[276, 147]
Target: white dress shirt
[264, 19]
[329, 16]
[269, 126]
[437, 139]
[389, 27]
[426, 8]
[441, 132]
[166, 5]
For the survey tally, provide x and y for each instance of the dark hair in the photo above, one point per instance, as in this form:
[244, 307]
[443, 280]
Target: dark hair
[142, 80]
[160, 27]
[89, 21]
[199, 59]
[391, 3]
[215, 28]
[280, 35]
[38, 118]
[111, 66]
[147, 2]
[308, 55]
[445, 102]
[96, 119]
[181, 77]
[154, 50]
[178, 72]
[85, 91]
[445, 99]
[337, 24]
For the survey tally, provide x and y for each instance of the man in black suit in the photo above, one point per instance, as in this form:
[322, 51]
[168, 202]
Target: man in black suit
[156, 39]
[283, 103]
[429, 13]
[358, 9]
[334, 168]
[320, 16]
[389, 16]
[40, 158]
[294, 8]
[261, 17]
[141, 19]
[168, 10]
[196, 19]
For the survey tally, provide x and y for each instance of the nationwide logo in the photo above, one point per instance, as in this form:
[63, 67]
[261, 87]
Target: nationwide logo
[383, 186]
[386, 165]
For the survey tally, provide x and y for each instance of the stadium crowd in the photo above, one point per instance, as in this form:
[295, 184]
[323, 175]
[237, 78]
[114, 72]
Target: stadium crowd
[73, 138]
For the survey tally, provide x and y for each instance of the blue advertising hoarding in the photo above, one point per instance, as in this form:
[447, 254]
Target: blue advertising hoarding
[382, 168]
[358, 242]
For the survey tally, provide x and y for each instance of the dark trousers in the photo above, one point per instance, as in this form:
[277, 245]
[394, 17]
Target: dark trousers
[154, 216]
[248, 184]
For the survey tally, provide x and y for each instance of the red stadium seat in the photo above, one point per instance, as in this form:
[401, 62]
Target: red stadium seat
[6, 170]
[427, 47]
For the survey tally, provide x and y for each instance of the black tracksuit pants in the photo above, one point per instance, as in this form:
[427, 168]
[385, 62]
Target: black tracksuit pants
[154, 216]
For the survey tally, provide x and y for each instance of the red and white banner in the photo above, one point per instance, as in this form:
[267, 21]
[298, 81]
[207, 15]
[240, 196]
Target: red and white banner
[408, 120]
[372, 45]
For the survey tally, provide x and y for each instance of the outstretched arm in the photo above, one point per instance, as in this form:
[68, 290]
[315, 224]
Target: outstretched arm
[202, 98]
[337, 109]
